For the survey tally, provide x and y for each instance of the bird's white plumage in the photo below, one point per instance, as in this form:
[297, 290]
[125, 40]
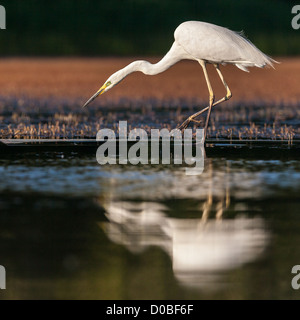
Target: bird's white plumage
[215, 44]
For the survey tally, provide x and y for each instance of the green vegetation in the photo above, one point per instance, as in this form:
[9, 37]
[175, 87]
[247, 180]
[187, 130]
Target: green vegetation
[143, 27]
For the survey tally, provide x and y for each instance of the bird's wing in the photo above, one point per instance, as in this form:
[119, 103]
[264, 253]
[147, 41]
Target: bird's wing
[216, 44]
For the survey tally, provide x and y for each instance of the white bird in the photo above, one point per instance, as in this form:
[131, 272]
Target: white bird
[205, 43]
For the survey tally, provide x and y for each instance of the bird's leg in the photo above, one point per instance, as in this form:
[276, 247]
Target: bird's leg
[211, 95]
[228, 92]
[211, 101]
[227, 97]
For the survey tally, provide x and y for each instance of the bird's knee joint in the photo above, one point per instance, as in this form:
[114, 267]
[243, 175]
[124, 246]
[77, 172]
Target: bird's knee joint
[228, 95]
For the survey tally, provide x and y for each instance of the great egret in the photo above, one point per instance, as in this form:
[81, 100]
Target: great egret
[205, 43]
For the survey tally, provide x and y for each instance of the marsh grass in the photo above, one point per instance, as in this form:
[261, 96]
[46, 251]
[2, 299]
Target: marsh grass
[55, 119]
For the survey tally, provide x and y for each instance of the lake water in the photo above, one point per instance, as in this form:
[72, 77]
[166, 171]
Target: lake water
[73, 229]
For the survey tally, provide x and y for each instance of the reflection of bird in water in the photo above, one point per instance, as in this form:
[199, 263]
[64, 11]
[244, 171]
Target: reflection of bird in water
[200, 249]
[205, 43]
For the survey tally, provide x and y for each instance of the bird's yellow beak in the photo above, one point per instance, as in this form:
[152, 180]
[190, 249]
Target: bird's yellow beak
[98, 93]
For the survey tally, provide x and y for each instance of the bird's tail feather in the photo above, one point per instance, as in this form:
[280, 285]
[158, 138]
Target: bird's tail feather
[255, 57]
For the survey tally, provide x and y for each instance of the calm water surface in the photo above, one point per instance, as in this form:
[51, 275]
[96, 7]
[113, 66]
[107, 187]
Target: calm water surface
[72, 229]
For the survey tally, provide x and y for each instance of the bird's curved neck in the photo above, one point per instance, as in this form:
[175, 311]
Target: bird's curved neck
[175, 54]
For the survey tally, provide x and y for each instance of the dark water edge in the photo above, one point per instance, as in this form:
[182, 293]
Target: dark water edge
[72, 229]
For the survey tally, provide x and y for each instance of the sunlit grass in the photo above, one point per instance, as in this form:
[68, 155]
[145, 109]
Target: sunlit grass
[22, 119]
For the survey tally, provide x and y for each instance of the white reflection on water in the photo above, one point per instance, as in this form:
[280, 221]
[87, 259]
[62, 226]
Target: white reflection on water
[200, 249]
[203, 251]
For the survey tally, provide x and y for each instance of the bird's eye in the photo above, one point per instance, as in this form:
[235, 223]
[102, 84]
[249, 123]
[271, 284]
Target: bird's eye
[108, 83]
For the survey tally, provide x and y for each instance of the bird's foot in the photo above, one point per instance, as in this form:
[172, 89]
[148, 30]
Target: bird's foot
[196, 121]
[186, 123]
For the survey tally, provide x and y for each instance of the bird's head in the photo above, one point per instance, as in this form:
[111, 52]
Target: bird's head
[113, 80]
